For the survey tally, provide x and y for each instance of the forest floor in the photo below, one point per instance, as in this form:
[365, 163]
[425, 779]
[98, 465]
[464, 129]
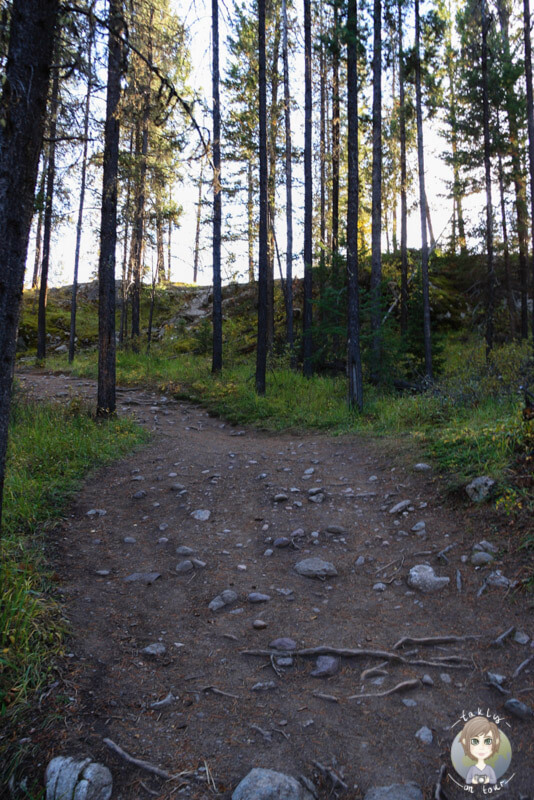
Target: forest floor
[217, 723]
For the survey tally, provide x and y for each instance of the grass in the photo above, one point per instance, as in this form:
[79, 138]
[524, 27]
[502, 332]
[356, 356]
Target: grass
[51, 449]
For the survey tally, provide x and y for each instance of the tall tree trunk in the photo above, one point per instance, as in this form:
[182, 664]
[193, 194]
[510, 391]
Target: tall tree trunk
[137, 247]
[335, 146]
[125, 286]
[261, 350]
[47, 235]
[487, 171]
[456, 187]
[430, 228]
[404, 182]
[39, 231]
[517, 171]
[160, 251]
[22, 115]
[198, 220]
[355, 395]
[106, 400]
[322, 161]
[530, 121]
[289, 195]
[216, 364]
[308, 193]
[273, 127]
[250, 221]
[169, 249]
[376, 213]
[506, 250]
[72, 335]
[422, 198]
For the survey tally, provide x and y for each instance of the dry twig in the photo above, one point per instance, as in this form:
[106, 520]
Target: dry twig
[219, 691]
[328, 772]
[432, 640]
[438, 790]
[373, 671]
[400, 687]
[522, 666]
[332, 698]
[499, 641]
[267, 735]
[143, 764]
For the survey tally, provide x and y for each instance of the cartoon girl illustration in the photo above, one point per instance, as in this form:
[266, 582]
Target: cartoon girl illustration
[480, 740]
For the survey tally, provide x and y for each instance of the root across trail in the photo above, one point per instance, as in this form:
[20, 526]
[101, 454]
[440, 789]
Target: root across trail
[201, 648]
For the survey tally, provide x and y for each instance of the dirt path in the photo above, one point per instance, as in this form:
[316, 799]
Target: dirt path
[199, 463]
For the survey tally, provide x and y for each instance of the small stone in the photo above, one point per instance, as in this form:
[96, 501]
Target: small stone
[379, 587]
[316, 498]
[162, 540]
[315, 568]
[184, 567]
[360, 561]
[495, 677]
[309, 471]
[396, 791]
[480, 488]
[488, 547]
[423, 577]
[268, 552]
[102, 572]
[163, 526]
[183, 550]
[422, 467]
[283, 643]
[264, 686]
[139, 495]
[518, 709]
[408, 702]
[498, 580]
[177, 487]
[337, 530]
[284, 661]
[481, 558]
[259, 624]
[258, 597]
[143, 577]
[325, 666]
[156, 649]
[137, 478]
[282, 541]
[285, 592]
[419, 526]
[424, 735]
[242, 567]
[372, 478]
[398, 507]
[96, 512]
[201, 514]
[427, 680]
[521, 638]
[129, 540]
[445, 677]
[280, 498]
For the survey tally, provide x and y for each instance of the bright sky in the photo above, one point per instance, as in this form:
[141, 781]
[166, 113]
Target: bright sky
[196, 15]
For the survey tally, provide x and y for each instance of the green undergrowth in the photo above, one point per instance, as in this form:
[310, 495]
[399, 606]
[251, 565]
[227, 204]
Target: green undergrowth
[469, 423]
[51, 449]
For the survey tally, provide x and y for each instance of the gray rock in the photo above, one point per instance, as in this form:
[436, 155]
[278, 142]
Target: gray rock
[82, 779]
[360, 561]
[284, 661]
[266, 784]
[96, 512]
[422, 467]
[129, 540]
[283, 643]
[498, 580]
[198, 563]
[201, 514]
[336, 529]
[259, 624]
[139, 495]
[177, 487]
[268, 552]
[481, 558]
[264, 686]
[137, 478]
[280, 498]
[445, 677]
[419, 526]
[424, 578]
[408, 702]
[316, 498]
[427, 680]
[495, 677]
[103, 573]
[488, 547]
[184, 567]
[155, 649]
[143, 577]
[518, 709]
[424, 735]
[258, 597]
[480, 488]
[396, 791]
[379, 587]
[325, 666]
[223, 599]
[521, 638]
[398, 507]
[315, 568]
[183, 550]
[282, 541]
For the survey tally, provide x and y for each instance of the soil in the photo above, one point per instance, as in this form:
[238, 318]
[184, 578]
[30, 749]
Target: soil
[216, 721]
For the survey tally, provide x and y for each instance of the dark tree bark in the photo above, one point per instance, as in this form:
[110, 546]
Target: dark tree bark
[106, 402]
[22, 114]
[487, 171]
[355, 394]
[506, 249]
[404, 182]
[422, 198]
[261, 351]
[123, 330]
[273, 127]
[216, 364]
[335, 145]
[289, 193]
[530, 122]
[160, 247]
[308, 194]
[376, 213]
[39, 231]
[72, 335]
[47, 234]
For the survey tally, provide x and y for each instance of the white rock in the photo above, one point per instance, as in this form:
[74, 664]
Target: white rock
[423, 577]
[398, 507]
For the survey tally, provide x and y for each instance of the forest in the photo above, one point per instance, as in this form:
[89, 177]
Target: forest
[335, 235]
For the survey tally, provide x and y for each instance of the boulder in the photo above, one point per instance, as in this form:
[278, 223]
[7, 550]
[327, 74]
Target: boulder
[266, 784]
[396, 791]
[480, 488]
[78, 779]
[423, 577]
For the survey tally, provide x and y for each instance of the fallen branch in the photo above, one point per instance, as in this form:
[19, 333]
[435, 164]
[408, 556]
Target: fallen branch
[267, 735]
[277, 670]
[219, 691]
[150, 791]
[499, 641]
[137, 762]
[400, 687]
[330, 697]
[374, 671]
[442, 555]
[528, 689]
[522, 666]
[357, 653]
[432, 640]
[333, 776]
[438, 790]
[497, 686]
